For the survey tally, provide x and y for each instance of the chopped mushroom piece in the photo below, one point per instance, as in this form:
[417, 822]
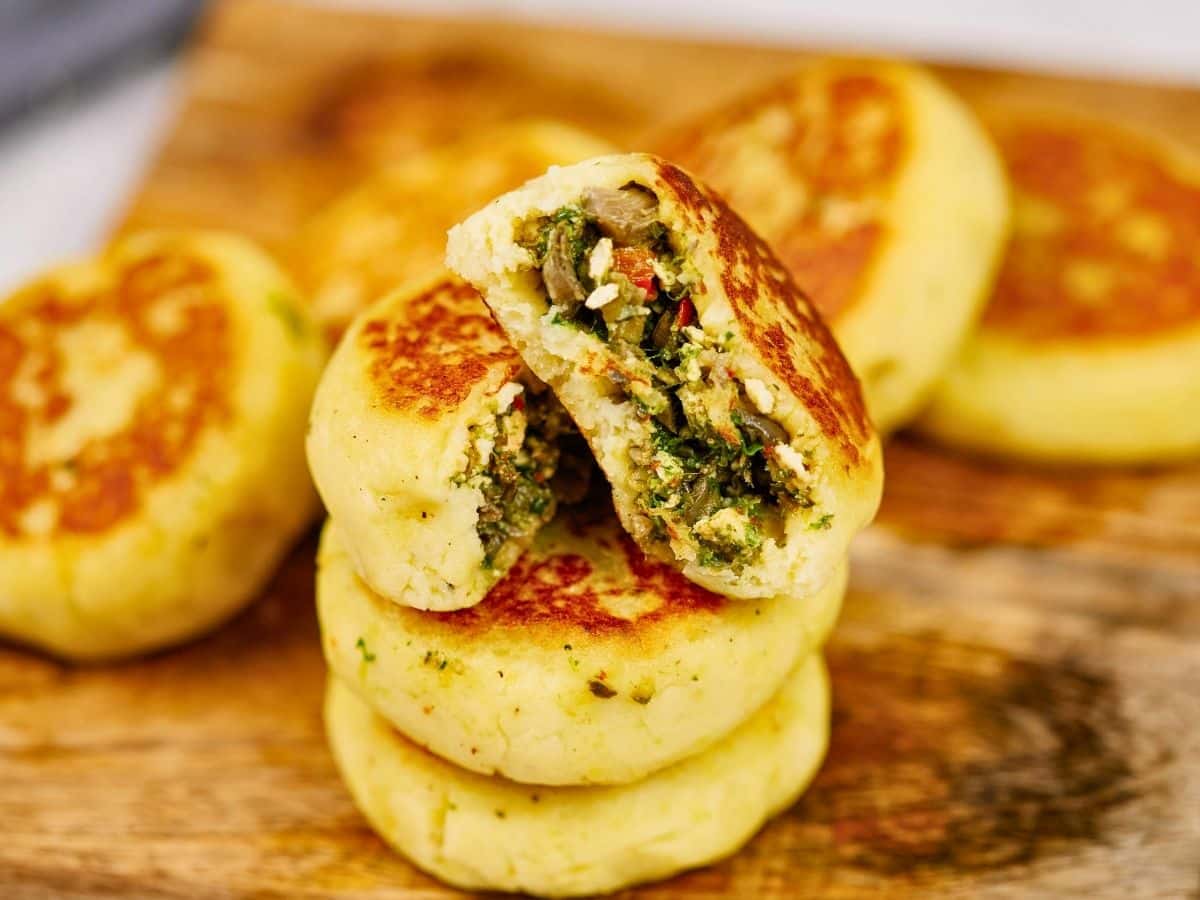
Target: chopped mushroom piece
[562, 283]
[625, 215]
[764, 430]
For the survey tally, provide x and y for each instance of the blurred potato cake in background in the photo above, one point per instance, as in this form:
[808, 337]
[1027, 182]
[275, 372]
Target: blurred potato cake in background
[587, 664]
[712, 395]
[391, 228]
[486, 833]
[434, 449]
[153, 403]
[375, 110]
[1089, 349]
[882, 196]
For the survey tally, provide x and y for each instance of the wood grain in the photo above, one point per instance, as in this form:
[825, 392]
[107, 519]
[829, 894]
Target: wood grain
[1017, 673]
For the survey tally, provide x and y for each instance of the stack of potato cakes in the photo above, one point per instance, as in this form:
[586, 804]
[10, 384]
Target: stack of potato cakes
[577, 577]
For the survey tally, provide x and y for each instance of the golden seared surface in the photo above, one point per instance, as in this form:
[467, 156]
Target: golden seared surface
[105, 389]
[583, 576]
[1105, 234]
[388, 440]
[426, 354]
[153, 404]
[809, 161]
[776, 318]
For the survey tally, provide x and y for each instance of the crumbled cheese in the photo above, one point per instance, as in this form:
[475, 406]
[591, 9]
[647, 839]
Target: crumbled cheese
[760, 396]
[668, 470]
[632, 312]
[695, 335]
[690, 369]
[666, 278]
[791, 458]
[506, 395]
[725, 525]
[602, 296]
[484, 447]
[601, 259]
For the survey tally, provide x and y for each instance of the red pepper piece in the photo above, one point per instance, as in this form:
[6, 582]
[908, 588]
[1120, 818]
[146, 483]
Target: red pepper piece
[637, 264]
[687, 313]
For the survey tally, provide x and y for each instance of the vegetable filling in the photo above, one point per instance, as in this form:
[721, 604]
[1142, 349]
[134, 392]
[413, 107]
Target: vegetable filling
[525, 461]
[714, 469]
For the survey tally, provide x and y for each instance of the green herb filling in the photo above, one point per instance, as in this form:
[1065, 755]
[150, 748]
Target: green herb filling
[714, 469]
[513, 460]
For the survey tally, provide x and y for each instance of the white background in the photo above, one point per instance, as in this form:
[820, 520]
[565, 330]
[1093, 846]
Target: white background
[65, 172]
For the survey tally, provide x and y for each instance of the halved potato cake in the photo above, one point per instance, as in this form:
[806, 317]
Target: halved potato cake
[152, 410]
[715, 400]
[484, 833]
[882, 196]
[436, 452]
[1089, 349]
[587, 664]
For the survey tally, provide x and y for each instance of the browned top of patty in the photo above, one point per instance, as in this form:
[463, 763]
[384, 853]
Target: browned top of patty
[427, 353]
[1105, 234]
[777, 320]
[583, 577]
[75, 457]
[837, 134]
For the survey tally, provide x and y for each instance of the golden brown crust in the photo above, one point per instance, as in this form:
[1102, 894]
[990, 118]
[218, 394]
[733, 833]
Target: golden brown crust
[842, 138]
[780, 323]
[564, 593]
[591, 581]
[170, 309]
[1105, 236]
[427, 354]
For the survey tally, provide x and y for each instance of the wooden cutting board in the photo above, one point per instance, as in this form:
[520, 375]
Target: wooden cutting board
[1017, 673]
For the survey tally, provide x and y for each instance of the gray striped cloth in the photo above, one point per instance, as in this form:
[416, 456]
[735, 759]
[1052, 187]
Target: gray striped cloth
[54, 49]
